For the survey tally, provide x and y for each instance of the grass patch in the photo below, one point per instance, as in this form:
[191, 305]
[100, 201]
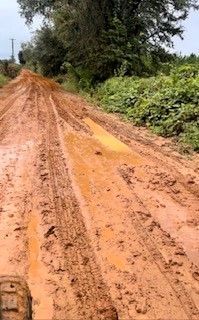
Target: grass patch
[3, 80]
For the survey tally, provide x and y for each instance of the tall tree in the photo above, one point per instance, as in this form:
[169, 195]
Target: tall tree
[45, 53]
[113, 35]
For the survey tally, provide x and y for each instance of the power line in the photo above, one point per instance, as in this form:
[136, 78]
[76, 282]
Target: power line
[13, 49]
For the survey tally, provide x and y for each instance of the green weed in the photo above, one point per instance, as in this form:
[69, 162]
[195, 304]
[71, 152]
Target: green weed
[168, 105]
[3, 80]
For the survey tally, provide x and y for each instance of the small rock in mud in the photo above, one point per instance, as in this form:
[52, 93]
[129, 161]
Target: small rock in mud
[108, 225]
[178, 272]
[98, 153]
[136, 254]
[180, 252]
[118, 285]
[72, 279]
[44, 173]
[107, 311]
[68, 245]
[58, 266]
[44, 203]
[97, 232]
[141, 306]
[153, 225]
[144, 215]
[121, 241]
[170, 181]
[50, 231]
[131, 301]
[20, 228]
[195, 275]
[190, 179]
[175, 263]
[192, 222]
[175, 191]
[45, 212]
[85, 261]
[79, 295]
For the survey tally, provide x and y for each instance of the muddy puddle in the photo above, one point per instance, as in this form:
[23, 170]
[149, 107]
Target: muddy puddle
[42, 302]
[109, 152]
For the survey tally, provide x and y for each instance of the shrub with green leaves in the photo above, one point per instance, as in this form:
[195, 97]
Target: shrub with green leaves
[168, 105]
[3, 80]
[76, 79]
[9, 69]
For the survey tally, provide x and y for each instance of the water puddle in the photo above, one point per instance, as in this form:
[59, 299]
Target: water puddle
[107, 139]
[112, 143]
[98, 184]
[42, 303]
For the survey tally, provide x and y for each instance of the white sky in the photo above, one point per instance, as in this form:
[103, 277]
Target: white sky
[13, 26]
[190, 44]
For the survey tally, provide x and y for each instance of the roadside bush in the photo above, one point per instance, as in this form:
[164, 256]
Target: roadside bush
[3, 80]
[76, 79]
[168, 105]
[8, 69]
[191, 135]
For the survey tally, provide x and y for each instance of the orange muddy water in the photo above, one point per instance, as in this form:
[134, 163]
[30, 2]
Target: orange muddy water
[99, 217]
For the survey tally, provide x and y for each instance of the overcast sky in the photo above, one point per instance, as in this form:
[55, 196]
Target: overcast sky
[13, 26]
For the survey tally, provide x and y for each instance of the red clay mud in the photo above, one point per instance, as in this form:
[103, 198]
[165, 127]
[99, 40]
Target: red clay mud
[100, 218]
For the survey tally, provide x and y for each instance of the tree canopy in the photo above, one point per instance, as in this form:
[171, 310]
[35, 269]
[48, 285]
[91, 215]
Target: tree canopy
[45, 53]
[109, 36]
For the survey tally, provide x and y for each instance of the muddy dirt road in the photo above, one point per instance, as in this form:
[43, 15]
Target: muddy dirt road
[101, 219]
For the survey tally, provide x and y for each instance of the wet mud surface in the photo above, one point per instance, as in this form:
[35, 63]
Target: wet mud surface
[100, 218]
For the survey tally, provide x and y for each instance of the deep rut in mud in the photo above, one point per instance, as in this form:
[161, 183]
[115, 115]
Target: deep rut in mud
[100, 219]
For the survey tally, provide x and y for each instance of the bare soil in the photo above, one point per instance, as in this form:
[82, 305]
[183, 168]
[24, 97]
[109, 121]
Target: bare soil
[99, 217]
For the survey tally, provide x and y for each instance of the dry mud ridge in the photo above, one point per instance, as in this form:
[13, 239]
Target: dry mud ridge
[100, 218]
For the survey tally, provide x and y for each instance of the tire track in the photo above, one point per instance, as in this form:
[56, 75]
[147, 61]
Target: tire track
[77, 226]
[92, 296]
[179, 290]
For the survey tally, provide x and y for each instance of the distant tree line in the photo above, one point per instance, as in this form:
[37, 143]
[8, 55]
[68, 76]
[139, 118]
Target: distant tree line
[102, 38]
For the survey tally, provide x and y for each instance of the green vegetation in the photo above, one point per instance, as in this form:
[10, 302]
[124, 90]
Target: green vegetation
[9, 69]
[103, 37]
[45, 54]
[168, 105]
[115, 51]
[3, 80]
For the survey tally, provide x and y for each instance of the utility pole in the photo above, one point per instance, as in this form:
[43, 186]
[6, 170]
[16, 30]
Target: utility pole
[13, 50]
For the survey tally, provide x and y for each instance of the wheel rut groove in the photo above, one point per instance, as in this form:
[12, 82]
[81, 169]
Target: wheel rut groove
[93, 216]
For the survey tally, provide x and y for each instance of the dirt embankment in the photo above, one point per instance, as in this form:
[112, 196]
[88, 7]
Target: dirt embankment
[101, 219]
